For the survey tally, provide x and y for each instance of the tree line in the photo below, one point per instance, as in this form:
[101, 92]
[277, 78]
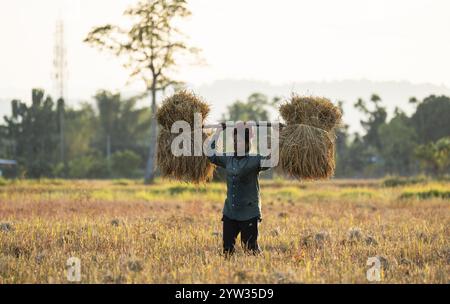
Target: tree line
[110, 138]
[102, 140]
[404, 145]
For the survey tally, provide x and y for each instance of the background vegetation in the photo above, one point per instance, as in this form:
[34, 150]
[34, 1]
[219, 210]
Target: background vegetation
[109, 139]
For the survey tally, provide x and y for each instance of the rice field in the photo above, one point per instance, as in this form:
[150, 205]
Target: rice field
[317, 232]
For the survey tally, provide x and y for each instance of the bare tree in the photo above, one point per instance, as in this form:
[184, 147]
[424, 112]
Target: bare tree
[152, 46]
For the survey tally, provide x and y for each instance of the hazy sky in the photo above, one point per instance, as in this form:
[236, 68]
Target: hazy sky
[280, 41]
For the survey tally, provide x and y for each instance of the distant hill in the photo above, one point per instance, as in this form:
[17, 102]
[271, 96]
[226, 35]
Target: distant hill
[222, 93]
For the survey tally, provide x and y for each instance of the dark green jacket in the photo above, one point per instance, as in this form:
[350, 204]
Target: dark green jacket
[243, 201]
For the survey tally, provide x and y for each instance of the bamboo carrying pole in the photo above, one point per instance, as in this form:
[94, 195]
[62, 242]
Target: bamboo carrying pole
[250, 124]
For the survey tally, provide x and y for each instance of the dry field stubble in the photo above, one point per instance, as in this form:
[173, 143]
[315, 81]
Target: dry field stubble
[125, 232]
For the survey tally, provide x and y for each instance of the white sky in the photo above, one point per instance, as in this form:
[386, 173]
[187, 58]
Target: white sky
[274, 40]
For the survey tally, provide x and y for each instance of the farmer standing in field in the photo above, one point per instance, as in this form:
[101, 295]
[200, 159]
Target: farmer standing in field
[242, 209]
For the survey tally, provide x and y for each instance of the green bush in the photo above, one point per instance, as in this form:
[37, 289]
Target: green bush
[125, 163]
[422, 195]
[90, 166]
[58, 170]
[3, 181]
[396, 181]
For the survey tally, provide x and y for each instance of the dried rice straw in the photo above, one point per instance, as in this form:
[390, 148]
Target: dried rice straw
[307, 142]
[196, 169]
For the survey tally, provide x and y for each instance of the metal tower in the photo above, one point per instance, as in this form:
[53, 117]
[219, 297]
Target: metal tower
[59, 62]
[60, 83]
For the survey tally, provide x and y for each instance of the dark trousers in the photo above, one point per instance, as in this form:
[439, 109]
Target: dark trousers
[249, 234]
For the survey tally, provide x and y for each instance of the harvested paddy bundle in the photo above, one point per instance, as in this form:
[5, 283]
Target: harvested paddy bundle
[318, 112]
[196, 169]
[181, 107]
[307, 142]
[306, 152]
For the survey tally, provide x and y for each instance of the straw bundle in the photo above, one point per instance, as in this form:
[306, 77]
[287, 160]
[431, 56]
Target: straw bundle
[306, 152]
[181, 106]
[196, 169]
[318, 112]
[307, 142]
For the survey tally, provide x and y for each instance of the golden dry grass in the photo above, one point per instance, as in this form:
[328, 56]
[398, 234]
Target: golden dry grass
[171, 233]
